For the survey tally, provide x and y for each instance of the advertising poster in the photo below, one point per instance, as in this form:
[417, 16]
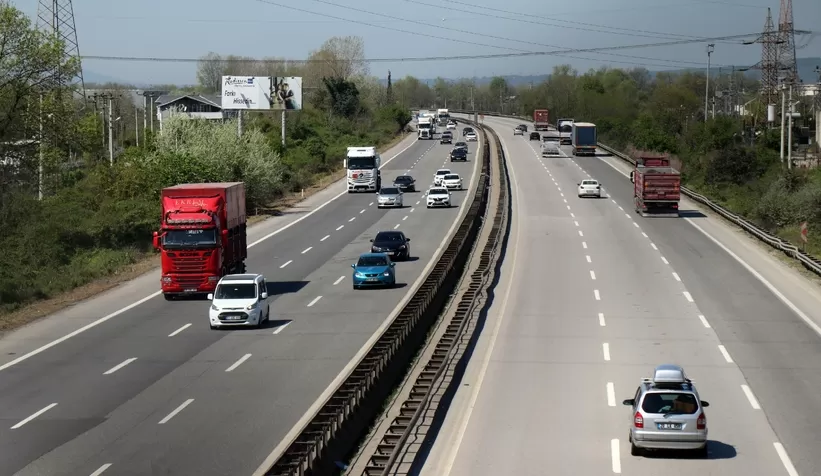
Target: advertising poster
[286, 93]
[247, 92]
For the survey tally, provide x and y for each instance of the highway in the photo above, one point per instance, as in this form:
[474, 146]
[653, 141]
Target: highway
[152, 390]
[592, 298]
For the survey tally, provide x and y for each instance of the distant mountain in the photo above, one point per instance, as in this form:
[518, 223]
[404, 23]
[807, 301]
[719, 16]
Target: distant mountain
[93, 77]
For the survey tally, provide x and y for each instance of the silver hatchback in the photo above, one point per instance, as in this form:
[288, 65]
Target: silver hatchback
[667, 413]
[390, 197]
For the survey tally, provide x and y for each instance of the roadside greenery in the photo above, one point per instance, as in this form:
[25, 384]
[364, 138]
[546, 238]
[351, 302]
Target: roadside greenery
[731, 158]
[95, 217]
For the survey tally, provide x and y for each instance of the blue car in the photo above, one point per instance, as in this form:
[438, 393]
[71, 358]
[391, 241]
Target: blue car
[374, 269]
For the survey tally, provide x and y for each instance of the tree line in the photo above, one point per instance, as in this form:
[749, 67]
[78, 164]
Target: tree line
[733, 157]
[96, 217]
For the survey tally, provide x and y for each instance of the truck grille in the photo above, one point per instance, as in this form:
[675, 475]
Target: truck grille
[193, 264]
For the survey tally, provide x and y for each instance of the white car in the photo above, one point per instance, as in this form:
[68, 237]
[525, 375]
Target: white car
[438, 197]
[240, 300]
[452, 125]
[550, 148]
[471, 137]
[452, 181]
[590, 188]
[439, 175]
[518, 132]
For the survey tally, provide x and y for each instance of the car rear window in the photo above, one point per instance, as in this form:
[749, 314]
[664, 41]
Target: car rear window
[442, 172]
[670, 402]
[589, 182]
[451, 177]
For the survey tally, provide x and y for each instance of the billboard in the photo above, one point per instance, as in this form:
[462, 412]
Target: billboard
[246, 92]
[286, 93]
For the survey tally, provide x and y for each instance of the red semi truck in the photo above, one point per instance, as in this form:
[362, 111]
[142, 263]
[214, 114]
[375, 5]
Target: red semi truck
[656, 186]
[202, 236]
[540, 120]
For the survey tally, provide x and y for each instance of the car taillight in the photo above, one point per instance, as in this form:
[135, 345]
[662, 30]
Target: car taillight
[638, 420]
[701, 423]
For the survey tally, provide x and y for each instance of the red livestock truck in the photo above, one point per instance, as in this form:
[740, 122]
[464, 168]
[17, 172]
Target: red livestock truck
[540, 120]
[656, 186]
[202, 236]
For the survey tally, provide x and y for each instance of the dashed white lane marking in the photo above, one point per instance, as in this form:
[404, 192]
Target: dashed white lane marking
[688, 296]
[405, 218]
[613, 201]
[340, 227]
[238, 362]
[338, 280]
[101, 470]
[576, 223]
[179, 330]
[352, 219]
[411, 210]
[362, 211]
[605, 348]
[307, 249]
[282, 327]
[704, 321]
[370, 204]
[601, 320]
[175, 411]
[565, 201]
[785, 459]
[654, 246]
[597, 295]
[635, 224]
[615, 455]
[588, 258]
[725, 354]
[622, 209]
[325, 237]
[33, 416]
[749, 394]
[675, 275]
[420, 201]
[584, 244]
[665, 260]
[316, 300]
[592, 275]
[581, 234]
[626, 215]
[119, 366]
[286, 263]
[568, 207]
[572, 215]
[644, 234]
[611, 394]
[397, 226]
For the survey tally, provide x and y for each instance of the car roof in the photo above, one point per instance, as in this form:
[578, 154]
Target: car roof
[389, 233]
[240, 277]
[443, 170]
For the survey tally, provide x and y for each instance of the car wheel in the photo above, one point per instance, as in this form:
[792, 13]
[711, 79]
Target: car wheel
[634, 450]
[355, 287]
[213, 327]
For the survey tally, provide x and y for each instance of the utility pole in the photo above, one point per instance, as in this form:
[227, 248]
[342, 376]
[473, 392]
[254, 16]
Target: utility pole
[42, 155]
[789, 133]
[283, 128]
[110, 131]
[783, 120]
[145, 117]
[710, 48]
[137, 126]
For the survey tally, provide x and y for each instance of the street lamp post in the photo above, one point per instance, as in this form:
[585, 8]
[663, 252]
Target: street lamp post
[710, 48]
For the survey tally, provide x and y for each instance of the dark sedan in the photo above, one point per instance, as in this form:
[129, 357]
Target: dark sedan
[405, 183]
[535, 136]
[459, 154]
[393, 243]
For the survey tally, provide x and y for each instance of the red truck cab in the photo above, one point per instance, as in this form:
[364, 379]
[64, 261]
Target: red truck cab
[202, 236]
[656, 186]
[541, 120]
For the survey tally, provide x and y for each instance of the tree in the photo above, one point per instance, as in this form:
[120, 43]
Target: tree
[341, 57]
[210, 70]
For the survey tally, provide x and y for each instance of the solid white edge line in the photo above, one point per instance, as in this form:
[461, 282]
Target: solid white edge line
[602, 323]
[238, 362]
[316, 300]
[175, 411]
[119, 366]
[338, 280]
[456, 443]
[724, 353]
[704, 321]
[101, 470]
[785, 459]
[605, 347]
[750, 397]
[282, 327]
[615, 455]
[33, 416]
[179, 330]
[611, 394]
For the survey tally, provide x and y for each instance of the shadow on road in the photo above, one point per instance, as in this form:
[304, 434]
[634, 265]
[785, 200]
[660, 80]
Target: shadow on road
[277, 288]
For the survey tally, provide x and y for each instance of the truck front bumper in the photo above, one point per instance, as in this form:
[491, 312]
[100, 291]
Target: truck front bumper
[188, 283]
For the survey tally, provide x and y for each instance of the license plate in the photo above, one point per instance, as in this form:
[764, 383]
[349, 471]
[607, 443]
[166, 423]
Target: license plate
[373, 280]
[233, 318]
[669, 426]
[193, 290]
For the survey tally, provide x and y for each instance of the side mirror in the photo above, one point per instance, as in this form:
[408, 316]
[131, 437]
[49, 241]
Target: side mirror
[393, 264]
[210, 297]
[263, 296]
[629, 402]
[156, 241]
[705, 403]
[407, 239]
[371, 240]
[353, 266]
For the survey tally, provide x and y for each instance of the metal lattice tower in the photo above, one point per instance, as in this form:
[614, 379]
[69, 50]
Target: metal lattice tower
[768, 65]
[786, 43]
[57, 17]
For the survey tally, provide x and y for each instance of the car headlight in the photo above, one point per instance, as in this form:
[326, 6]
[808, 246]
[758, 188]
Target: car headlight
[359, 275]
[402, 247]
[386, 273]
[214, 307]
[251, 307]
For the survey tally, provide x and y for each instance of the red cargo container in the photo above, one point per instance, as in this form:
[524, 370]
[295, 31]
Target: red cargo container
[540, 120]
[202, 236]
[656, 186]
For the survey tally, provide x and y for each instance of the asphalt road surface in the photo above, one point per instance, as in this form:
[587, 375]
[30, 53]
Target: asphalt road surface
[153, 390]
[598, 296]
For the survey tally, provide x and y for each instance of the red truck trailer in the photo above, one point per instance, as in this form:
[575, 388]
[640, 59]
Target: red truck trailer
[540, 120]
[656, 186]
[202, 236]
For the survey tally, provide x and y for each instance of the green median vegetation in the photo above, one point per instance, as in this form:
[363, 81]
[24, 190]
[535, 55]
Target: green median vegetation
[732, 158]
[95, 218]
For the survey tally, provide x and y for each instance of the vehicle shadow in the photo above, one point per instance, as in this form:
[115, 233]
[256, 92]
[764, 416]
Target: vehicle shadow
[285, 287]
[715, 450]
[691, 214]
[409, 259]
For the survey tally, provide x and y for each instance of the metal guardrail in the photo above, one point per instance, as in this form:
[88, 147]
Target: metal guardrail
[336, 427]
[393, 441]
[809, 261]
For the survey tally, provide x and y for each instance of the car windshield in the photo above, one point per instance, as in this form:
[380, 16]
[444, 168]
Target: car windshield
[460, 145]
[389, 191]
[403, 179]
[190, 238]
[451, 177]
[459, 151]
[670, 402]
[437, 191]
[365, 261]
[236, 291]
[383, 236]
[471, 134]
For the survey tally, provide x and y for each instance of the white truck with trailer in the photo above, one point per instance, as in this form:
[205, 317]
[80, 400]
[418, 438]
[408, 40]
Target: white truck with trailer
[425, 128]
[362, 168]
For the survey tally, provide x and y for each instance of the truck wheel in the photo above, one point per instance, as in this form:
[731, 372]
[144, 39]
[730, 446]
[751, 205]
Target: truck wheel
[170, 297]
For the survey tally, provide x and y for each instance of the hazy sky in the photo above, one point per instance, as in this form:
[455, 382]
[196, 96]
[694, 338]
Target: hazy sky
[192, 28]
